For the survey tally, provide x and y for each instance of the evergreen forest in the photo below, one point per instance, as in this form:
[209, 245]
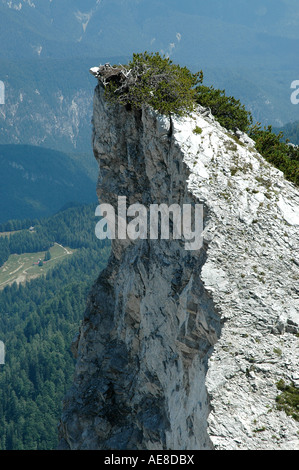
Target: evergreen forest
[38, 321]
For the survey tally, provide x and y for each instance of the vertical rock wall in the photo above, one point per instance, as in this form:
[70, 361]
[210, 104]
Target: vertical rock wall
[177, 348]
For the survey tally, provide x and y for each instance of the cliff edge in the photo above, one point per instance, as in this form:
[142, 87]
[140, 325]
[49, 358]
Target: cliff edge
[182, 349]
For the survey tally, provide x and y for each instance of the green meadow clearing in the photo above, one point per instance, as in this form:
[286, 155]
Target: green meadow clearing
[21, 268]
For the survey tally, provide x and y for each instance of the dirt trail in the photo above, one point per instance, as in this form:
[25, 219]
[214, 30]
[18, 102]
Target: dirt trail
[25, 275]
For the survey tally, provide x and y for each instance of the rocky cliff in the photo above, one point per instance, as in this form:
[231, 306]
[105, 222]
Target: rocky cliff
[183, 349]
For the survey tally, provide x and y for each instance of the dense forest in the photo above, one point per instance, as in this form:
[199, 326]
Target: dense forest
[37, 324]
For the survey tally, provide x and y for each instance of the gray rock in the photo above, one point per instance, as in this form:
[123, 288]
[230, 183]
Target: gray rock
[183, 349]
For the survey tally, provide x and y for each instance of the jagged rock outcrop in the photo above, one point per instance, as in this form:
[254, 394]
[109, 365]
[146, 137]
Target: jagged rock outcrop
[183, 349]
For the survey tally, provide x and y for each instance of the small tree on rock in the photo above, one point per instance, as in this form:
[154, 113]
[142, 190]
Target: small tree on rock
[151, 79]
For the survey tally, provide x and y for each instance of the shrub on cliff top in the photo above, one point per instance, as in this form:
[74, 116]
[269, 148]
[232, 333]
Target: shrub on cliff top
[169, 88]
[276, 151]
[228, 111]
[154, 79]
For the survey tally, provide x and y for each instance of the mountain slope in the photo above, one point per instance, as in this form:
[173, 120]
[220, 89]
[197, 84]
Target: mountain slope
[48, 104]
[248, 48]
[37, 182]
[43, 24]
[290, 132]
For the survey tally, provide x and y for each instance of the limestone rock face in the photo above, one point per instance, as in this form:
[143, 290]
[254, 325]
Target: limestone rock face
[183, 349]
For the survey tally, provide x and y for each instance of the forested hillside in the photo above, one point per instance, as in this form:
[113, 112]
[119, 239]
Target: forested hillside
[38, 321]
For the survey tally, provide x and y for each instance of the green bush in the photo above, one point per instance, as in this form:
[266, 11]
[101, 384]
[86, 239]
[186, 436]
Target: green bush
[197, 130]
[290, 132]
[288, 400]
[276, 152]
[153, 79]
[228, 111]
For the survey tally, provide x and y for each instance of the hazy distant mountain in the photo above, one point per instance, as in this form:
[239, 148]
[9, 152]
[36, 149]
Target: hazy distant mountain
[248, 48]
[64, 28]
[48, 102]
[36, 182]
[290, 132]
